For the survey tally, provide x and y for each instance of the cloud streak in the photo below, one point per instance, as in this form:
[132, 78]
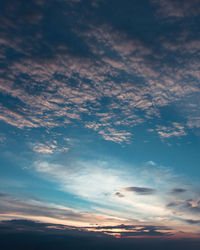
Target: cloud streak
[140, 190]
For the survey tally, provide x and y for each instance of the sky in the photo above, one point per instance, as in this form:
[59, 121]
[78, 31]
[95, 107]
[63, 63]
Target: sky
[100, 118]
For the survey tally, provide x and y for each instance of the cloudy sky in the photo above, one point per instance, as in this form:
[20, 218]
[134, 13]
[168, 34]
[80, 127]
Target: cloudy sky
[100, 115]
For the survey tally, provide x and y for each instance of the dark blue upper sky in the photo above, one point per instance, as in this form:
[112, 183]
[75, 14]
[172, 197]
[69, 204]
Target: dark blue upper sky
[100, 113]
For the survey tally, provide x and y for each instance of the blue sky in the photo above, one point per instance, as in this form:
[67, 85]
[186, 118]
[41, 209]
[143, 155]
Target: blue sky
[99, 114]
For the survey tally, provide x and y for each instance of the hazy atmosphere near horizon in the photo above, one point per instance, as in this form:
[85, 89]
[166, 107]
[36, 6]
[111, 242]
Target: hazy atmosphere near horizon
[99, 124]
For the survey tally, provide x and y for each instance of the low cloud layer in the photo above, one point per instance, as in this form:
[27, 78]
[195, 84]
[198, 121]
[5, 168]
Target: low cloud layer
[51, 236]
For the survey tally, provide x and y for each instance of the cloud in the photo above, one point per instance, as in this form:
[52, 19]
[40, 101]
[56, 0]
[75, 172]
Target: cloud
[49, 147]
[30, 226]
[34, 209]
[103, 73]
[118, 194]
[140, 190]
[167, 132]
[135, 230]
[41, 148]
[3, 195]
[81, 176]
[116, 136]
[193, 122]
[110, 193]
[56, 236]
[76, 63]
[14, 119]
[178, 190]
[151, 163]
[186, 209]
[144, 234]
[116, 191]
[177, 9]
[62, 104]
[193, 221]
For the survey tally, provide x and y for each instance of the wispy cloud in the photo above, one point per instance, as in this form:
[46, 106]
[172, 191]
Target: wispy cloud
[121, 192]
[18, 208]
